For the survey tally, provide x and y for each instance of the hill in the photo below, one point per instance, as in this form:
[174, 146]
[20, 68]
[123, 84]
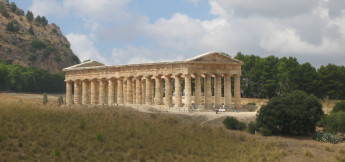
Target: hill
[29, 41]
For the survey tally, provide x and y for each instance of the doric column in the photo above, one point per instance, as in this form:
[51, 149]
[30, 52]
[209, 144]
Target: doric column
[237, 89]
[168, 91]
[111, 92]
[69, 92]
[77, 92]
[208, 94]
[93, 91]
[227, 91]
[143, 91]
[85, 92]
[197, 89]
[138, 90]
[129, 91]
[178, 97]
[188, 90]
[134, 96]
[124, 91]
[101, 92]
[148, 87]
[218, 91]
[158, 91]
[120, 90]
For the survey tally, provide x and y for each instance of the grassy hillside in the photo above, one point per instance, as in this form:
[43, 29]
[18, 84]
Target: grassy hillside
[31, 131]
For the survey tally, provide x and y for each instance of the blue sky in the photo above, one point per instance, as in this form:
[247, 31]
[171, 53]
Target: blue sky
[136, 31]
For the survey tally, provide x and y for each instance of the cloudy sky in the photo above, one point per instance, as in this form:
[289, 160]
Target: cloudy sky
[136, 31]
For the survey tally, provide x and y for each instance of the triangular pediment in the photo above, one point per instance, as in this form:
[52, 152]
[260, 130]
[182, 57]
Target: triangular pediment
[89, 63]
[219, 57]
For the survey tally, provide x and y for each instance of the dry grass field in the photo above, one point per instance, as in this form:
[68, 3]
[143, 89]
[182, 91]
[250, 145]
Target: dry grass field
[33, 132]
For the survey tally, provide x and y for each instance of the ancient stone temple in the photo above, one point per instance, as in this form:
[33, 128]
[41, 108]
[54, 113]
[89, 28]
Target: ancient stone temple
[203, 82]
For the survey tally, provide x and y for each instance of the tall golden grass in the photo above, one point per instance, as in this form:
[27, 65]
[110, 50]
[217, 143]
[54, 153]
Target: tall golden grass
[50, 133]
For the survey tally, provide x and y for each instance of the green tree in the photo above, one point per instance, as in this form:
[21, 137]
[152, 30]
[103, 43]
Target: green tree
[339, 106]
[31, 30]
[44, 21]
[12, 26]
[29, 16]
[333, 81]
[13, 7]
[295, 113]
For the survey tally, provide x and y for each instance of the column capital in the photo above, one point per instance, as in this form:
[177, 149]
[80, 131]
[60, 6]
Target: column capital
[208, 74]
[148, 76]
[177, 75]
[227, 74]
[158, 76]
[138, 77]
[237, 75]
[196, 74]
[111, 79]
[186, 75]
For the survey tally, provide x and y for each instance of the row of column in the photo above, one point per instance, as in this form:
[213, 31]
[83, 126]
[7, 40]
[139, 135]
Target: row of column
[140, 90]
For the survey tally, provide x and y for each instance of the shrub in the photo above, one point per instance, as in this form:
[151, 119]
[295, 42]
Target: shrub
[4, 11]
[82, 125]
[38, 44]
[265, 132]
[31, 31]
[233, 123]
[12, 26]
[252, 127]
[45, 99]
[327, 137]
[251, 103]
[334, 123]
[60, 101]
[339, 106]
[296, 113]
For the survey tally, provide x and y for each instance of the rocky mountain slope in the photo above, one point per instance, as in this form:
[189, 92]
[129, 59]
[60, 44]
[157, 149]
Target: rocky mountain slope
[30, 41]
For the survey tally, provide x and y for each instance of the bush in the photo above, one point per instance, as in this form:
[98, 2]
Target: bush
[38, 44]
[252, 127]
[334, 123]
[45, 99]
[296, 113]
[339, 106]
[327, 137]
[233, 123]
[12, 26]
[265, 132]
[251, 103]
[60, 101]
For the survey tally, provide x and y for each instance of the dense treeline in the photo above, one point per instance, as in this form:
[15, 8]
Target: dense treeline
[17, 78]
[272, 76]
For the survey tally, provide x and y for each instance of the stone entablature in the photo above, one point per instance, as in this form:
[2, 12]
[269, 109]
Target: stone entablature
[156, 83]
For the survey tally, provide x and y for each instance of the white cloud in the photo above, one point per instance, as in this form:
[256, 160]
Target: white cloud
[134, 55]
[47, 7]
[194, 2]
[86, 9]
[310, 29]
[84, 48]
